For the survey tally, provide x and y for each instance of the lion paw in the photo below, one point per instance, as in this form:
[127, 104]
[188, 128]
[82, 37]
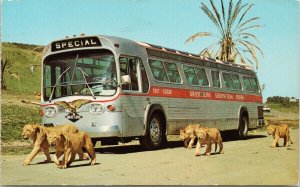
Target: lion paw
[26, 163]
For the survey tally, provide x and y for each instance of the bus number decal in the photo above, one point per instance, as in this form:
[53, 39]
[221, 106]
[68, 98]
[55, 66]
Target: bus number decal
[155, 90]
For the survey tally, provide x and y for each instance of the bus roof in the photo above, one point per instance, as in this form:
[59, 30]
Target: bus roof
[160, 51]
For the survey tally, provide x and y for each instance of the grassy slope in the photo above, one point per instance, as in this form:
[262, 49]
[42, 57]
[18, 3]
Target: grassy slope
[23, 56]
[14, 115]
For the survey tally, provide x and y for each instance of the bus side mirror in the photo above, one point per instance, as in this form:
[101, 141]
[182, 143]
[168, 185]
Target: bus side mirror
[125, 79]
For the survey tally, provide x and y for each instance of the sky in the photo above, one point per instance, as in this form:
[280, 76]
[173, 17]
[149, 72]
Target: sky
[162, 22]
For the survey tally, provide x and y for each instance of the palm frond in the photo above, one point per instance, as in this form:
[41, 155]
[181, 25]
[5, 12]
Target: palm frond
[217, 15]
[196, 36]
[243, 15]
[251, 51]
[254, 46]
[223, 12]
[229, 12]
[248, 35]
[250, 27]
[211, 16]
[236, 11]
[248, 21]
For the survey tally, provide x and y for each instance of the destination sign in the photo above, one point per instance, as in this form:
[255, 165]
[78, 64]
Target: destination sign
[75, 43]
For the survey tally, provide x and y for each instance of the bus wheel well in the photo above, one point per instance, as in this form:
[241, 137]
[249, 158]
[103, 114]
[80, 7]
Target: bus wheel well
[244, 112]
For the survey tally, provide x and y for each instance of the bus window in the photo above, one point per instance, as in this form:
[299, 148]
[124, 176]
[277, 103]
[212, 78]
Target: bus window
[228, 81]
[254, 84]
[215, 79]
[128, 66]
[158, 70]
[47, 82]
[145, 82]
[247, 84]
[202, 78]
[172, 72]
[236, 82]
[190, 75]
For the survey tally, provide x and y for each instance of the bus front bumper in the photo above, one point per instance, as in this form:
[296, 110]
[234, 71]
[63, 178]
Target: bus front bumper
[104, 131]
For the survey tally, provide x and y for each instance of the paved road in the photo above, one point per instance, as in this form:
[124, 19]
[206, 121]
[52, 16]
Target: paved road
[250, 162]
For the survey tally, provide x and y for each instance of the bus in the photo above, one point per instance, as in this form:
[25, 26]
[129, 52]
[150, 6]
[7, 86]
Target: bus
[118, 90]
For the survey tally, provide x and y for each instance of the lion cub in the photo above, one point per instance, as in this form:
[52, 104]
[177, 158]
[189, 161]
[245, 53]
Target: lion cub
[69, 144]
[279, 131]
[37, 133]
[208, 136]
[187, 135]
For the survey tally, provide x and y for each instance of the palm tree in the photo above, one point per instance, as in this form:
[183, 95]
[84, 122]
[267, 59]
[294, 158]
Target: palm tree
[234, 41]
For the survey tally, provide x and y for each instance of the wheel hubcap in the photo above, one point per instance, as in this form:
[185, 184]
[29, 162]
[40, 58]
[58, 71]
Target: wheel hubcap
[154, 131]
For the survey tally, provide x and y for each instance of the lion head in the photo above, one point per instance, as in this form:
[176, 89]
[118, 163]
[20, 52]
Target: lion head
[30, 131]
[183, 135]
[55, 137]
[271, 129]
[201, 133]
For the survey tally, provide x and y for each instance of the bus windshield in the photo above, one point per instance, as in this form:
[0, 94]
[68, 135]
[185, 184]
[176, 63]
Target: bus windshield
[87, 72]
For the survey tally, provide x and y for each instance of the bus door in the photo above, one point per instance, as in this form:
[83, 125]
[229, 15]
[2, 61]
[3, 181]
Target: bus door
[132, 98]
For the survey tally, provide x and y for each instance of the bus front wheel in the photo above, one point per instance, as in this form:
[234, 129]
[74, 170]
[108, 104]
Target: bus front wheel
[155, 134]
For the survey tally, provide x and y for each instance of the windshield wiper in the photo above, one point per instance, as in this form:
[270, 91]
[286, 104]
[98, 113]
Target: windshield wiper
[84, 73]
[50, 98]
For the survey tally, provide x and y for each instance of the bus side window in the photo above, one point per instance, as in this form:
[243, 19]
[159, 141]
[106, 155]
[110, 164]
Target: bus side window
[228, 81]
[202, 78]
[236, 82]
[158, 70]
[247, 84]
[215, 79]
[145, 82]
[172, 72]
[190, 75]
[254, 84]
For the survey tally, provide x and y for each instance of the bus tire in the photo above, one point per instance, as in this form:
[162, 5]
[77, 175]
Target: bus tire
[242, 131]
[155, 136]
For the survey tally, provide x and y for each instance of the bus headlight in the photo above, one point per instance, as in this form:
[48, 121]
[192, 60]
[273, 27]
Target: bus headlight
[50, 112]
[96, 108]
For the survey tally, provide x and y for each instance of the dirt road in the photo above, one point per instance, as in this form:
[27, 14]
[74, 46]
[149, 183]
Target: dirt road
[250, 162]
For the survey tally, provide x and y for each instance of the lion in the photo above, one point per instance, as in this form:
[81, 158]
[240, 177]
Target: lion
[279, 131]
[208, 136]
[69, 144]
[187, 135]
[37, 133]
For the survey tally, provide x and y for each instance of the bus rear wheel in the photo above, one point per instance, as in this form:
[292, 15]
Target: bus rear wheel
[242, 131]
[155, 134]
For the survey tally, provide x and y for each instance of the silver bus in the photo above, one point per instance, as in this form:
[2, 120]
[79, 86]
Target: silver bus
[119, 90]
